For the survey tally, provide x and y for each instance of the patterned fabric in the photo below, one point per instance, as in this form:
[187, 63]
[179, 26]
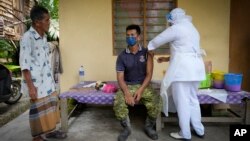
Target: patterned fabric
[89, 95]
[150, 99]
[34, 56]
[44, 114]
[99, 97]
[232, 98]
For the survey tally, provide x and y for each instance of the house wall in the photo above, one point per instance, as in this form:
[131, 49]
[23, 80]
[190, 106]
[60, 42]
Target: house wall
[86, 37]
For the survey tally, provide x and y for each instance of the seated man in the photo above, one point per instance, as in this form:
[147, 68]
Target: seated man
[134, 68]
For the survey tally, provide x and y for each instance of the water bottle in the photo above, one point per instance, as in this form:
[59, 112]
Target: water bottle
[81, 75]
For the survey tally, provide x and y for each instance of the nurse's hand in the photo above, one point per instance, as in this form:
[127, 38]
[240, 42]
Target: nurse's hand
[163, 59]
[129, 99]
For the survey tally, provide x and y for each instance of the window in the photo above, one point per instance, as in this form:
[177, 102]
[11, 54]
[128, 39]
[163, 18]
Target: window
[148, 14]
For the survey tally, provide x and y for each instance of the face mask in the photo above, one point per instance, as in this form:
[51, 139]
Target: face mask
[131, 41]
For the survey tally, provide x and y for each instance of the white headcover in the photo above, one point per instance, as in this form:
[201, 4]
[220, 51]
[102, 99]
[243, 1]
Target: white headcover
[178, 15]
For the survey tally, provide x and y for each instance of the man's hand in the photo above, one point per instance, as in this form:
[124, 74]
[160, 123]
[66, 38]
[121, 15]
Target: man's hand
[129, 99]
[138, 95]
[33, 93]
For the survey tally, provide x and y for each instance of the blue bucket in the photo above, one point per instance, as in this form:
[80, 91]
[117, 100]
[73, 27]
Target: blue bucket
[233, 82]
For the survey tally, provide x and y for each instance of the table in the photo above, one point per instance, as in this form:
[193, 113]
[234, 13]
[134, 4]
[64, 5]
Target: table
[241, 97]
[92, 96]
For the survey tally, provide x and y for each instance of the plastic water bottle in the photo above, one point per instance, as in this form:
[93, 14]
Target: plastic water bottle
[81, 75]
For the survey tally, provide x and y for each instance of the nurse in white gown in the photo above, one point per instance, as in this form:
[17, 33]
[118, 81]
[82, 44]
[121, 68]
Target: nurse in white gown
[186, 69]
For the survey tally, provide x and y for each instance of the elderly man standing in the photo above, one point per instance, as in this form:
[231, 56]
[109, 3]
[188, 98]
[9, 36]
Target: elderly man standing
[38, 80]
[134, 68]
[186, 70]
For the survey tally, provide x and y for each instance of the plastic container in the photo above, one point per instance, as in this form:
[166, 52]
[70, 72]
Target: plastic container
[218, 79]
[218, 75]
[218, 84]
[233, 82]
[206, 83]
[81, 75]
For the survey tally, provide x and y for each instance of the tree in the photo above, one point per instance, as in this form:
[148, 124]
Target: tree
[52, 6]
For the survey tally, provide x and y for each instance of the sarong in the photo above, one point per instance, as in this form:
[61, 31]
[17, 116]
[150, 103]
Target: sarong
[44, 114]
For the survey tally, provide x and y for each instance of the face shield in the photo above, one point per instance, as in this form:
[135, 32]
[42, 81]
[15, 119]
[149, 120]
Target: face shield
[168, 19]
[176, 15]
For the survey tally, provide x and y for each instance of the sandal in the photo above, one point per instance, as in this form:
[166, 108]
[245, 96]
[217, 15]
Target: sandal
[39, 138]
[56, 134]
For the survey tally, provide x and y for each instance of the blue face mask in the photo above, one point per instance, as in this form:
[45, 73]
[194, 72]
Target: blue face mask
[131, 41]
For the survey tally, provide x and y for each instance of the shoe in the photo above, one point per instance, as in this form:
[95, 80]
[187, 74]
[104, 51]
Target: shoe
[124, 134]
[39, 138]
[177, 136]
[126, 129]
[56, 135]
[149, 128]
[197, 135]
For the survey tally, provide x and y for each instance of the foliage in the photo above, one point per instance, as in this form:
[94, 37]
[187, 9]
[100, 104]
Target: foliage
[9, 49]
[71, 104]
[5, 45]
[52, 6]
[53, 30]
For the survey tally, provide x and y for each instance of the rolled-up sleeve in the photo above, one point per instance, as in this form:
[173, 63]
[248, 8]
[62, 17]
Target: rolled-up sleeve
[119, 64]
[25, 53]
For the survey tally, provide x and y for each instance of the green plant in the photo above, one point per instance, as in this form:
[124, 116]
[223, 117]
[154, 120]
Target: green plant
[53, 30]
[52, 6]
[71, 104]
[8, 49]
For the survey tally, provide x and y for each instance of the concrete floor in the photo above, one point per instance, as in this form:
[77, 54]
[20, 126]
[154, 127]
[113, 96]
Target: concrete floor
[10, 112]
[99, 124]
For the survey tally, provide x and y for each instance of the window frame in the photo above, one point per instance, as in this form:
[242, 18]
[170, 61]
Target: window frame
[144, 27]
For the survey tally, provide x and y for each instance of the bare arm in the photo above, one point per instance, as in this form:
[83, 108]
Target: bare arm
[31, 87]
[148, 77]
[149, 74]
[128, 97]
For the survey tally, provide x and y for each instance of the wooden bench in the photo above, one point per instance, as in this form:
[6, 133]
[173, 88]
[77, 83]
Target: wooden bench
[89, 96]
[100, 98]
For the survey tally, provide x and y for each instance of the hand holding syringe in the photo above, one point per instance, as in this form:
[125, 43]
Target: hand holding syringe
[162, 59]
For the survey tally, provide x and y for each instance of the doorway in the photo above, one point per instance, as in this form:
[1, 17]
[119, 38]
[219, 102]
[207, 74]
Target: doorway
[239, 50]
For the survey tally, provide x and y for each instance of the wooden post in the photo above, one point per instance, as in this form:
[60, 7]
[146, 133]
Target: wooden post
[64, 114]
[158, 123]
[247, 111]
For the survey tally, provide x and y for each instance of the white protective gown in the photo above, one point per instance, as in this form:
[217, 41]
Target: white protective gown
[186, 63]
